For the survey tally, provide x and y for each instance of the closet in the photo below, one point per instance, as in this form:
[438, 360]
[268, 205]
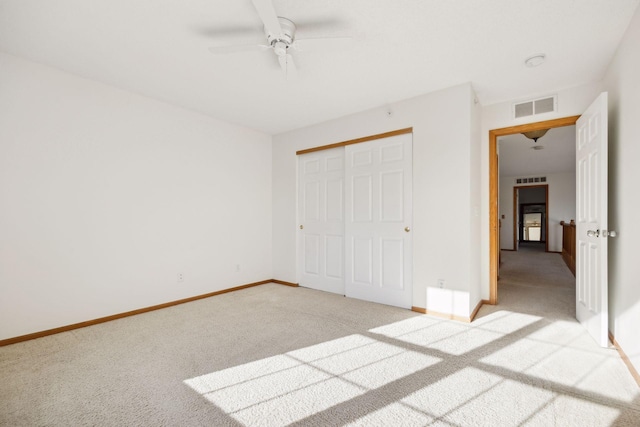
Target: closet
[355, 217]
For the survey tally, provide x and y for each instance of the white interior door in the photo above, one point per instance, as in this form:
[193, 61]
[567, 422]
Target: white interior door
[591, 224]
[321, 215]
[378, 242]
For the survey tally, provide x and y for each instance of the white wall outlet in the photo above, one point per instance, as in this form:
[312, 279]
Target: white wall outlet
[237, 268]
[441, 283]
[180, 277]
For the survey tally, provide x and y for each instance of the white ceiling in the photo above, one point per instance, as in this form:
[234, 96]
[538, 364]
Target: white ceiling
[401, 49]
[518, 158]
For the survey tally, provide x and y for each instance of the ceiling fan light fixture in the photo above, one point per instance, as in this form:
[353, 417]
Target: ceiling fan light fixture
[535, 60]
[535, 134]
[286, 35]
[280, 48]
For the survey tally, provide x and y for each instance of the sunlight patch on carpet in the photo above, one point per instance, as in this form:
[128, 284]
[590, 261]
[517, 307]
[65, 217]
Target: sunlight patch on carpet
[504, 321]
[454, 337]
[308, 380]
[452, 392]
[563, 409]
[512, 400]
[395, 414]
[562, 352]
[474, 397]
[522, 354]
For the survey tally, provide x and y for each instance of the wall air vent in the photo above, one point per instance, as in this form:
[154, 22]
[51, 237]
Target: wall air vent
[534, 180]
[535, 106]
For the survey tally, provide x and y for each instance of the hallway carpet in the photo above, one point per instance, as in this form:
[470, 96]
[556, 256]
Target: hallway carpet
[536, 282]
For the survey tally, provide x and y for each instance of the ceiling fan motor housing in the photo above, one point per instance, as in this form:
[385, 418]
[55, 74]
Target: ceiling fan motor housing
[281, 42]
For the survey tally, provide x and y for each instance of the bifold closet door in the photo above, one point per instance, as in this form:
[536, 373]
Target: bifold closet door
[321, 215]
[378, 244]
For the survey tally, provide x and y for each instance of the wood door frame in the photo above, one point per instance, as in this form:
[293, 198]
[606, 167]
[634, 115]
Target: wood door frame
[546, 212]
[494, 250]
[356, 141]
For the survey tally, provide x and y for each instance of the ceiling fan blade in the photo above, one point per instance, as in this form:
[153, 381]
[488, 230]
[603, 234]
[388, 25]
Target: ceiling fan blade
[238, 48]
[313, 43]
[267, 14]
[227, 31]
[321, 24]
[288, 66]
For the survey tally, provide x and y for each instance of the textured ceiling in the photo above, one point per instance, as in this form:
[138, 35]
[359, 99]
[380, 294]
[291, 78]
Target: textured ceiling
[518, 158]
[400, 49]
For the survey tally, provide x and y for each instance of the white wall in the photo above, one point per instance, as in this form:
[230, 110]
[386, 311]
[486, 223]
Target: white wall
[475, 243]
[562, 207]
[107, 195]
[571, 102]
[442, 166]
[622, 81]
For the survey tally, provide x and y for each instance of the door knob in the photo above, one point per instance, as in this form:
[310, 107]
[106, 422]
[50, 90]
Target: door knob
[301, 226]
[609, 233]
[592, 233]
[407, 229]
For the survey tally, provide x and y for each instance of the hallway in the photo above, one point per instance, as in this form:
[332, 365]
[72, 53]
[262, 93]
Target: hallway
[536, 282]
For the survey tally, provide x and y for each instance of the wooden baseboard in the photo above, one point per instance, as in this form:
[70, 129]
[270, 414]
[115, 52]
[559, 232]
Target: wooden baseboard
[448, 316]
[625, 359]
[282, 282]
[475, 311]
[452, 316]
[66, 328]
[97, 321]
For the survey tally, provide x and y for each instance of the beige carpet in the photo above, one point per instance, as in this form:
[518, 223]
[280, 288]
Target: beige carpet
[274, 355]
[534, 281]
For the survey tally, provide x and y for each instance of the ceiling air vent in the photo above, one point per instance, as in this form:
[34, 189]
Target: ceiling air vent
[530, 180]
[535, 106]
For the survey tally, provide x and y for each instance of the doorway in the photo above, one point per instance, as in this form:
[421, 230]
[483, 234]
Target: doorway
[531, 215]
[494, 243]
[531, 228]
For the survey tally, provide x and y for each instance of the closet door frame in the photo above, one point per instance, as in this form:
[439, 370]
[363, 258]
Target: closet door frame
[318, 243]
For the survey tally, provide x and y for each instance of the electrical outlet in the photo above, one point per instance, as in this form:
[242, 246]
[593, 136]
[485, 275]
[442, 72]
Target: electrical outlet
[180, 277]
[441, 283]
[237, 268]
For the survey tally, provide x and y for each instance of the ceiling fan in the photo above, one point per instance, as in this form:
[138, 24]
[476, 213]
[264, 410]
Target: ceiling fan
[281, 37]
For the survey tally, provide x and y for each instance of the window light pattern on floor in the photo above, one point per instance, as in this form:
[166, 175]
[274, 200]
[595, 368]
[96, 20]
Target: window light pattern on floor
[518, 368]
[308, 380]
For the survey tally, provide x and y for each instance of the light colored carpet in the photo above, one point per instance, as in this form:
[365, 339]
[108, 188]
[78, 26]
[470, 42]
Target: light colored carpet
[537, 282]
[274, 355]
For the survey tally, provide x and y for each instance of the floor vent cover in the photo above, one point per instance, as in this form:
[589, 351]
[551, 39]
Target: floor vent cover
[531, 180]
